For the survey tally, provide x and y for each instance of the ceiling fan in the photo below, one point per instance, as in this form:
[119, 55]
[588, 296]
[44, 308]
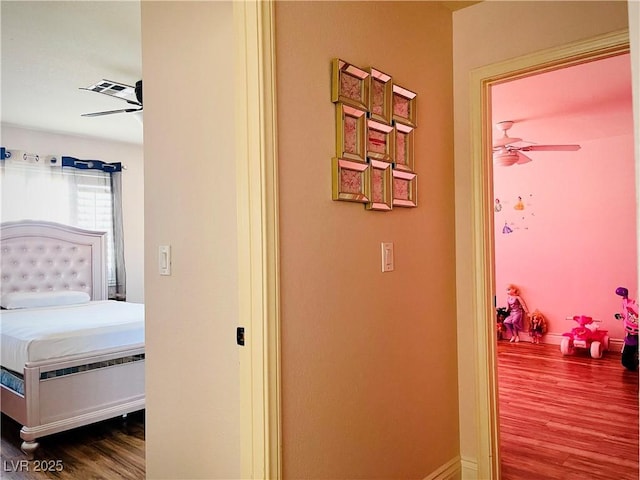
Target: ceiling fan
[506, 154]
[128, 93]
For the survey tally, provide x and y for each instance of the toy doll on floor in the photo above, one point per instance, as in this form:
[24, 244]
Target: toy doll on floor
[537, 326]
[517, 309]
[501, 314]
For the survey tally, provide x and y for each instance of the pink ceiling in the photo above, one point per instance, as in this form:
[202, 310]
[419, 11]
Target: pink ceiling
[571, 105]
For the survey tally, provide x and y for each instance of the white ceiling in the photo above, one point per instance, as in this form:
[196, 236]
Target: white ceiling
[52, 48]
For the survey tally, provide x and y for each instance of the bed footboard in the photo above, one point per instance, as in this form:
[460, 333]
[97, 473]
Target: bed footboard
[76, 391]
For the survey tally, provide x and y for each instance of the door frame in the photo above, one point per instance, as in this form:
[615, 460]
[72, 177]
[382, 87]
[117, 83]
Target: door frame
[481, 80]
[258, 244]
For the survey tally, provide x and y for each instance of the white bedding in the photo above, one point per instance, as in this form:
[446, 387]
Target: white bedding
[33, 334]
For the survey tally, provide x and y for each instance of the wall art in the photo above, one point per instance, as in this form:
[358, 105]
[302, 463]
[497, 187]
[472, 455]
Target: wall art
[376, 123]
[350, 85]
[404, 147]
[404, 106]
[351, 133]
[350, 181]
[380, 92]
[405, 189]
[380, 141]
[381, 189]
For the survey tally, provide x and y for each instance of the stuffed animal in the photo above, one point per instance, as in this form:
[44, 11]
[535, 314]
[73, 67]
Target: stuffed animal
[537, 326]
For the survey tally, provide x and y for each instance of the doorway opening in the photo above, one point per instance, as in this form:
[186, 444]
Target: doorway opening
[483, 198]
[563, 183]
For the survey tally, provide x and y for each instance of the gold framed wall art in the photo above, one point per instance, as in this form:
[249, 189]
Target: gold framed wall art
[404, 147]
[404, 106]
[350, 85]
[380, 141]
[350, 180]
[381, 189]
[376, 121]
[405, 189]
[380, 93]
[351, 133]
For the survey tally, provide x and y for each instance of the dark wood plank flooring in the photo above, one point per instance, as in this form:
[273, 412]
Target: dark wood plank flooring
[109, 450]
[566, 417]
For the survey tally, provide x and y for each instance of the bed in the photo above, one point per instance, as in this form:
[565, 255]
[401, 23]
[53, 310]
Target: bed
[70, 357]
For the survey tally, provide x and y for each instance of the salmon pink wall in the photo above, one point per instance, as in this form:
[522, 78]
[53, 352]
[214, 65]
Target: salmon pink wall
[369, 371]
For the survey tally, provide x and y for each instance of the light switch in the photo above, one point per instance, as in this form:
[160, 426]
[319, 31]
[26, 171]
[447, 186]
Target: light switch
[164, 259]
[387, 257]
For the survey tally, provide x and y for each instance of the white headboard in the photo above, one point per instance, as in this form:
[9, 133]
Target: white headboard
[37, 256]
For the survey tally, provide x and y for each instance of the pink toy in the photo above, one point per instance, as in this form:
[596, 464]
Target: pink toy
[585, 335]
[537, 326]
[514, 323]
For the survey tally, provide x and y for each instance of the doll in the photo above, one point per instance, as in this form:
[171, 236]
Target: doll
[537, 327]
[501, 314]
[517, 308]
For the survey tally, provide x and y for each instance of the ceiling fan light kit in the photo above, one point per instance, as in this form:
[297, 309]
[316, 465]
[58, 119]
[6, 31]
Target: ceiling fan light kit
[510, 158]
[506, 154]
[505, 159]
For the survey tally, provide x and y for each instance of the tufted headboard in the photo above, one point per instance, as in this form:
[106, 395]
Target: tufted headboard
[38, 256]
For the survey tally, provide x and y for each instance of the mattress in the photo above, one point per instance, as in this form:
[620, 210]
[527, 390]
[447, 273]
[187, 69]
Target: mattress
[36, 334]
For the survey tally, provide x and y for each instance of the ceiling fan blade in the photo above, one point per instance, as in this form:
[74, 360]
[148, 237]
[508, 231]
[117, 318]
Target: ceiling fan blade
[110, 112]
[522, 158]
[549, 148]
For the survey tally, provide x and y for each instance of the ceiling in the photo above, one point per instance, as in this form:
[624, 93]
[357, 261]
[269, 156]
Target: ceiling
[52, 48]
[568, 106]
[454, 5]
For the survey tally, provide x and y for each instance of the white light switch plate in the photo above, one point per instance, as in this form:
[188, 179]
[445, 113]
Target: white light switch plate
[387, 257]
[164, 259]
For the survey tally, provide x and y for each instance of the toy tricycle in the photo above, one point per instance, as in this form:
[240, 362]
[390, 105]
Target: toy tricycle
[585, 335]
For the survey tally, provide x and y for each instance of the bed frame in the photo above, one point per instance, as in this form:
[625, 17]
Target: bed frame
[72, 391]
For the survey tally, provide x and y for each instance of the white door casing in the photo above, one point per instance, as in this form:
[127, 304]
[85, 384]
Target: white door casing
[257, 201]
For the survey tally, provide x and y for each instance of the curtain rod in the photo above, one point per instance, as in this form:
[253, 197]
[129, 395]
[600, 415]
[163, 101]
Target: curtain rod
[64, 161]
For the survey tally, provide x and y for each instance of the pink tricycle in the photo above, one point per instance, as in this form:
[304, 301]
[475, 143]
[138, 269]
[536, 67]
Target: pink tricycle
[585, 335]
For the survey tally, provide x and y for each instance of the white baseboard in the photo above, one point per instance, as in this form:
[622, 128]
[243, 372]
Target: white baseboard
[469, 468]
[448, 471]
[615, 344]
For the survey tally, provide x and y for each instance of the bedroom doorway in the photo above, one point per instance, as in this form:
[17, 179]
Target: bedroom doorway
[484, 290]
[561, 108]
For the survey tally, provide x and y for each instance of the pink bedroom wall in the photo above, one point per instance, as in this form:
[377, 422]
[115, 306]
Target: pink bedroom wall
[575, 240]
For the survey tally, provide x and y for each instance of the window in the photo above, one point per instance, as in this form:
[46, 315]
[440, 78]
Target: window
[93, 210]
[79, 193]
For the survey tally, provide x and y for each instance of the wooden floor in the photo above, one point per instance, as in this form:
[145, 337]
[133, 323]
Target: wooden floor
[109, 450]
[566, 418]
[561, 418]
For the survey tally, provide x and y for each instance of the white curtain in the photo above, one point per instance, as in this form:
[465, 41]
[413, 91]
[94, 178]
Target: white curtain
[83, 195]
